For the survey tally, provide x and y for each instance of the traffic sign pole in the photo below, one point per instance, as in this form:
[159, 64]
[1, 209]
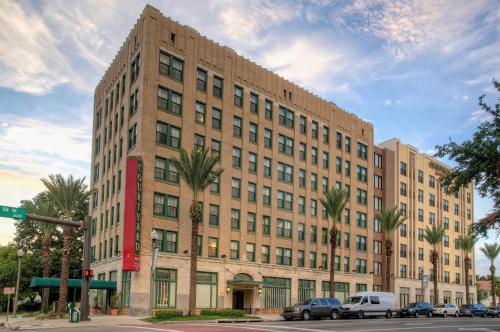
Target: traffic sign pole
[8, 304]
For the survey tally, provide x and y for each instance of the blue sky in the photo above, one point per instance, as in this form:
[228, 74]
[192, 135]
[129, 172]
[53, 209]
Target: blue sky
[413, 68]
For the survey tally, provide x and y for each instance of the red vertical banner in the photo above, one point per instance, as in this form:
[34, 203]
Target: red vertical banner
[132, 215]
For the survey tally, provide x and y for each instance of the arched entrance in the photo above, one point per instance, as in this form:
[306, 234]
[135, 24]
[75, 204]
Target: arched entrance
[244, 292]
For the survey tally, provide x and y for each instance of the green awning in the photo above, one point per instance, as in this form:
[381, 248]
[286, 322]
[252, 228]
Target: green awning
[244, 282]
[72, 283]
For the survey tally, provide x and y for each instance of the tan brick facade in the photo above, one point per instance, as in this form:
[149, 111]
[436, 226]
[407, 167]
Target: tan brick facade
[155, 33]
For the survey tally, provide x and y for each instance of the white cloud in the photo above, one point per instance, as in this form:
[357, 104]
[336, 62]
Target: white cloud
[388, 102]
[476, 117]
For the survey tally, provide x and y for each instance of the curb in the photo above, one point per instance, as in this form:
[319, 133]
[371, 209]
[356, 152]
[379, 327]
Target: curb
[253, 320]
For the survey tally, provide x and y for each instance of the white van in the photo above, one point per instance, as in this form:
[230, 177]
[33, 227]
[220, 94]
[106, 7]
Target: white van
[363, 304]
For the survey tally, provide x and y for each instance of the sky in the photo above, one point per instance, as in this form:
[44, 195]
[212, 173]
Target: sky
[414, 69]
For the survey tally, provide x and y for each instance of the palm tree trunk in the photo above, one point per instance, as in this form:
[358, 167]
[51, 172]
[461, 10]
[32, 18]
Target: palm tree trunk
[66, 253]
[493, 293]
[467, 290]
[333, 247]
[388, 256]
[435, 277]
[47, 243]
[195, 220]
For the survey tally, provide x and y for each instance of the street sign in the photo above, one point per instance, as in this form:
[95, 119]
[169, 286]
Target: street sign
[9, 290]
[12, 212]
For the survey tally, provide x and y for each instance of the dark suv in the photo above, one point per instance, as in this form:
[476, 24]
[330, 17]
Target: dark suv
[473, 310]
[416, 309]
[494, 311]
[313, 308]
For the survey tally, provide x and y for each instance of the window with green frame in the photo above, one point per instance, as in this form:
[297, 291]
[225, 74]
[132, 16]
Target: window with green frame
[251, 222]
[206, 289]
[307, 289]
[171, 66]
[125, 291]
[213, 218]
[361, 220]
[341, 290]
[276, 292]
[213, 247]
[266, 225]
[166, 205]
[235, 219]
[169, 101]
[168, 135]
[165, 288]
[200, 245]
[169, 241]
[234, 250]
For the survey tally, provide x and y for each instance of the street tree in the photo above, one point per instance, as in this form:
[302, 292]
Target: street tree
[434, 237]
[466, 243]
[491, 251]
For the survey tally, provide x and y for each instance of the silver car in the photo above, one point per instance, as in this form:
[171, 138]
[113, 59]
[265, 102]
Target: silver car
[446, 309]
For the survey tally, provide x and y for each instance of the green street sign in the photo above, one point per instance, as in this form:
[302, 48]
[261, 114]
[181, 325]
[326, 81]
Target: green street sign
[12, 212]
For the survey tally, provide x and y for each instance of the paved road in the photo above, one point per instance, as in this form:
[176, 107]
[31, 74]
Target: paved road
[353, 325]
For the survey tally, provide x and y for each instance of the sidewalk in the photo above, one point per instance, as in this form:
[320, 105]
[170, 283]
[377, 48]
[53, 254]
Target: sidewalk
[30, 323]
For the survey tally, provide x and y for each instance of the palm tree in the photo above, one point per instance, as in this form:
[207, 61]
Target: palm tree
[390, 220]
[198, 172]
[334, 201]
[434, 237]
[466, 243]
[66, 193]
[491, 251]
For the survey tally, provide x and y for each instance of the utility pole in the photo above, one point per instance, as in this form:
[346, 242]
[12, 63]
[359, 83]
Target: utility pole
[87, 238]
[20, 254]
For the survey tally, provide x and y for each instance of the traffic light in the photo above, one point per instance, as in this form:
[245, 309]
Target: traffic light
[89, 273]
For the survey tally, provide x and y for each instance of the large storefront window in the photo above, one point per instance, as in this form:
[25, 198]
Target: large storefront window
[307, 289]
[206, 290]
[404, 297]
[165, 288]
[341, 290]
[125, 292]
[276, 292]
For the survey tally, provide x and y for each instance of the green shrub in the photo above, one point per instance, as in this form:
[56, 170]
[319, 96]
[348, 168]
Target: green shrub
[167, 313]
[222, 312]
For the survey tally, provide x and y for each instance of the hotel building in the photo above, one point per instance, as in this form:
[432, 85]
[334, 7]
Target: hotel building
[263, 240]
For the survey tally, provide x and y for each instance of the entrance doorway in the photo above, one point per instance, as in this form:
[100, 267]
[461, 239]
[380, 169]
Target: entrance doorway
[238, 299]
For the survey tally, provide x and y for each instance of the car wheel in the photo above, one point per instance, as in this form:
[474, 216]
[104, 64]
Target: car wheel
[445, 314]
[306, 315]
[361, 314]
[334, 315]
[288, 318]
[388, 314]
[457, 314]
[429, 314]
[416, 314]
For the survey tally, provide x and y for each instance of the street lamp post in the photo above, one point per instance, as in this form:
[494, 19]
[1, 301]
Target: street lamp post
[20, 254]
[154, 249]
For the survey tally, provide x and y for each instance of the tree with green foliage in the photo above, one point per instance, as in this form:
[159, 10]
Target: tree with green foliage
[434, 237]
[67, 194]
[390, 221]
[491, 251]
[334, 201]
[466, 243]
[478, 161]
[198, 171]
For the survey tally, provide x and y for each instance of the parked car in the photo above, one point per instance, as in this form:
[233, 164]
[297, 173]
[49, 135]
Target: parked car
[313, 308]
[369, 304]
[493, 311]
[473, 310]
[446, 309]
[416, 309]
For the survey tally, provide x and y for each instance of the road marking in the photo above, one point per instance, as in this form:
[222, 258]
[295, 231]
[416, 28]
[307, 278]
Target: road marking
[286, 327]
[150, 328]
[409, 324]
[239, 325]
[476, 329]
[416, 327]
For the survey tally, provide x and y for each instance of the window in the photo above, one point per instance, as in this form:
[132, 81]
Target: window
[213, 247]
[325, 184]
[283, 256]
[252, 192]
[303, 125]
[420, 215]
[134, 104]
[302, 204]
[377, 181]
[168, 135]
[377, 247]
[326, 135]
[362, 151]
[266, 225]
[165, 170]
[403, 268]
[214, 186]
[238, 96]
[285, 144]
[420, 196]
[171, 66]
[377, 227]
[236, 157]
[468, 198]
[286, 117]
[420, 176]
[348, 144]
[457, 261]
[284, 228]
[165, 283]
[236, 188]
[457, 209]
[339, 140]
[347, 168]
[252, 132]
[267, 167]
[217, 87]
[432, 218]
[312, 259]
[314, 182]
[403, 209]
[420, 254]
[325, 160]
[201, 79]
[268, 138]
[362, 173]
[314, 129]
[252, 162]
[377, 204]
[377, 160]
[402, 168]
[237, 127]
[361, 196]
[166, 205]
[302, 151]
[314, 208]
[199, 115]
[250, 252]
[199, 142]
[347, 216]
[447, 280]
[285, 172]
[402, 189]
[432, 200]
[457, 226]
[134, 72]
[361, 220]
[206, 290]
[276, 292]
[445, 205]
[269, 109]
[300, 258]
[402, 250]
[360, 266]
[285, 200]
[420, 234]
[302, 178]
[168, 242]
[213, 215]
[254, 103]
[265, 254]
[446, 258]
[446, 241]
[301, 232]
[432, 181]
[132, 139]
[361, 242]
[446, 223]
[234, 251]
[313, 234]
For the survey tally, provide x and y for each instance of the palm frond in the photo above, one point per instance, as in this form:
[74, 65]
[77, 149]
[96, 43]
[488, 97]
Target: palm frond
[390, 220]
[491, 251]
[65, 192]
[334, 201]
[434, 235]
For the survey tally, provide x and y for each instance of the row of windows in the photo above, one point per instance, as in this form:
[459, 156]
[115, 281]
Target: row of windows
[107, 249]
